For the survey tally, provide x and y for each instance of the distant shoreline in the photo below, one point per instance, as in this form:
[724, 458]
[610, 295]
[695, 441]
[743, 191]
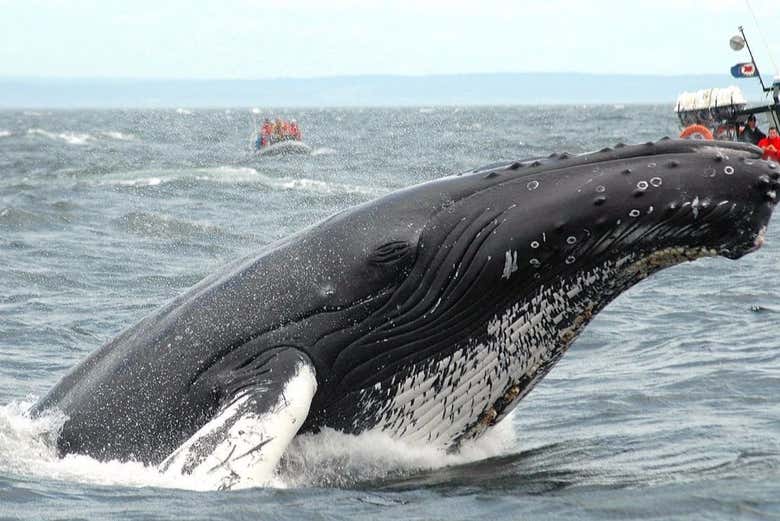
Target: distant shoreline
[360, 91]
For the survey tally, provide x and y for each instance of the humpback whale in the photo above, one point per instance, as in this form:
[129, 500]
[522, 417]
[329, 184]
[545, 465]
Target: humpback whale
[426, 314]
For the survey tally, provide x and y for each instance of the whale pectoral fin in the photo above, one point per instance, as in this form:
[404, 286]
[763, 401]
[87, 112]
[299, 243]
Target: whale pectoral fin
[242, 444]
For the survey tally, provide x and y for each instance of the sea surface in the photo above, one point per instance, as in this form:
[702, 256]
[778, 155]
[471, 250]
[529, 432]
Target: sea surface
[667, 407]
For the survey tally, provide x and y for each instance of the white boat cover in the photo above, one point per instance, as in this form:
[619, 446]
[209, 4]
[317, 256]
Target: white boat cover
[710, 99]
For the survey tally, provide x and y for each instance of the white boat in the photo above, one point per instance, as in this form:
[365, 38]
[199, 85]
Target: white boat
[723, 113]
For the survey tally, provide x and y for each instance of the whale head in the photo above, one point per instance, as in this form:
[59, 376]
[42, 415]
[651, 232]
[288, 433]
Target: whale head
[497, 270]
[676, 197]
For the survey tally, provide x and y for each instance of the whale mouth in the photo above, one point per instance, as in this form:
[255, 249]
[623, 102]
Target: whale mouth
[758, 242]
[739, 250]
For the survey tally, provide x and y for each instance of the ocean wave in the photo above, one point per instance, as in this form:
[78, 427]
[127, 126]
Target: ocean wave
[156, 177]
[165, 227]
[233, 174]
[316, 186]
[148, 181]
[16, 218]
[227, 174]
[76, 138]
[71, 138]
[119, 136]
[237, 174]
[321, 187]
[323, 151]
[329, 459]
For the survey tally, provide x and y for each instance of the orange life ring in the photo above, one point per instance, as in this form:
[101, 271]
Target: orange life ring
[696, 132]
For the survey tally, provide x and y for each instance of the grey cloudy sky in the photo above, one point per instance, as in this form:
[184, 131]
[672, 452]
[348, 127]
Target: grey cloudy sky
[306, 38]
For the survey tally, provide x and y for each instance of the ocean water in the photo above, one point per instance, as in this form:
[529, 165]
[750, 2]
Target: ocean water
[667, 407]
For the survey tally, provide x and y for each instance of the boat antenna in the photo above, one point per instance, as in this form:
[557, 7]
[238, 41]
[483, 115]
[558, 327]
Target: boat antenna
[763, 37]
[752, 60]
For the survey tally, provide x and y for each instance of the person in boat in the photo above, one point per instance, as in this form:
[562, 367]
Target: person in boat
[295, 132]
[266, 131]
[751, 133]
[279, 130]
[771, 145]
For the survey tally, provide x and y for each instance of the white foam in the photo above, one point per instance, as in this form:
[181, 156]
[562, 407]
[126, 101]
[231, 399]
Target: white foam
[323, 151]
[320, 187]
[238, 174]
[233, 174]
[329, 458]
[332, 458]
[222, 174]
[228, 174]
[183, 111]
[25, 451]
[5, 133]
[71, 138]
[141, 181]
[120, 136]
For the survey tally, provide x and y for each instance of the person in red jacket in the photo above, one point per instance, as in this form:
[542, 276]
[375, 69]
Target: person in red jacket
[771, 145]
[264, 138]
[295, 132]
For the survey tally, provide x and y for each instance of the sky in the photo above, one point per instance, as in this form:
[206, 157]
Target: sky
[257, 39]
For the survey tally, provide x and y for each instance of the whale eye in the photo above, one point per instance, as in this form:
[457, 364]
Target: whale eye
[391, 254]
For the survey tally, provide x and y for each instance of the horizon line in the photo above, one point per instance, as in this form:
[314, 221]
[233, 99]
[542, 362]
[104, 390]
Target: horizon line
[366, 75]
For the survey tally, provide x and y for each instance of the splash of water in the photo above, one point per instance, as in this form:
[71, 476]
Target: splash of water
[334, 459]
[327, 459]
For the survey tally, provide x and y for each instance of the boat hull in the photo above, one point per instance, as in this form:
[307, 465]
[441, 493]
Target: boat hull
[284, 148]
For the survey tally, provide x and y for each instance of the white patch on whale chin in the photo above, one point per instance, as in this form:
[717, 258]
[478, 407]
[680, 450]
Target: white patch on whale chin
[250, 443]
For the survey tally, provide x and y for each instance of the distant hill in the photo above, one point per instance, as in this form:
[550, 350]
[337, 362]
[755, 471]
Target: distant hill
[465, 89]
